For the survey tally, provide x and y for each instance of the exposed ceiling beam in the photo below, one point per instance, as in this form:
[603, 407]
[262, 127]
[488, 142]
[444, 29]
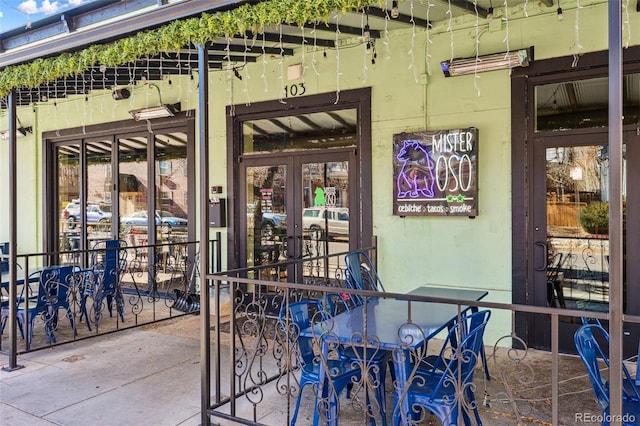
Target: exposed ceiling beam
[470, 7]
[343, 29]
[379, 13]
[306, 120]
[285, 38]
[281, 125]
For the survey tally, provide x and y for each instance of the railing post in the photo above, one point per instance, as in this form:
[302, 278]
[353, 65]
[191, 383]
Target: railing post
[615, 211]
[13, 235]
[203, 138]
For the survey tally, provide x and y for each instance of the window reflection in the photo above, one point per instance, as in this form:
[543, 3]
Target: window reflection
[583, 103]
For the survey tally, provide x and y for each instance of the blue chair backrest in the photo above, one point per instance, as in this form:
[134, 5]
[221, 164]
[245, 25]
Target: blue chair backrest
[292, 320]
[4, 263]
[590, 352]
[53, 287]
[469, 331]
[109, 261]
[361, 273]
[586, 340]
[461, 366]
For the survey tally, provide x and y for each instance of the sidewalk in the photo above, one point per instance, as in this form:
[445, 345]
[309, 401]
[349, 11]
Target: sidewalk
[140, 376]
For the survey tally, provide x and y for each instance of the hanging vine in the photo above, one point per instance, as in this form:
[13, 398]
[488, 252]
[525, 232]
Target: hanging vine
[175, 35]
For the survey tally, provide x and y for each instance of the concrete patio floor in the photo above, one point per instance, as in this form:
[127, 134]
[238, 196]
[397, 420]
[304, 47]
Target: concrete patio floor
[151, 376]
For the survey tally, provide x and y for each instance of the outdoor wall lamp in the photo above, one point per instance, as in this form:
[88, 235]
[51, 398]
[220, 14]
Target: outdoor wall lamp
[492, 62]
[20, 132]
[161, 111]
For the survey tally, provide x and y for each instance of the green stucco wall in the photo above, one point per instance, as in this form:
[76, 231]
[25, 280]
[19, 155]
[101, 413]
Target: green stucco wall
[406, 97]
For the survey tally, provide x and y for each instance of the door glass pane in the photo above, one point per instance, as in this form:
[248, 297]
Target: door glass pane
[99, 188]
[171, 196]
[133, 188]
[266, 214]
[320, 130]
[68, 190]
[325, 211]
[577, 227]
[583, 103]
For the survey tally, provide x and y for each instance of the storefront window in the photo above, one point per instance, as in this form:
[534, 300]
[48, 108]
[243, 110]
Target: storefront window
[581, 104]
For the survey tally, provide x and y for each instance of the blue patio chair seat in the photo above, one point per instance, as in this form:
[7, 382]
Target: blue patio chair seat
[592, 355]
[54, 283]
[342, 374]
[435, 387]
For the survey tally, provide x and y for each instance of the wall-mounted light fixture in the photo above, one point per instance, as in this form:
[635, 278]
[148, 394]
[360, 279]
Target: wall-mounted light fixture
[120, 94]
[20, 132]
[492, 62]
[160, 111]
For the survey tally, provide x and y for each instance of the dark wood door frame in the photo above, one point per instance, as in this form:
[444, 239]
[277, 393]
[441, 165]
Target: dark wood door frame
[360, 99]
[523, 83]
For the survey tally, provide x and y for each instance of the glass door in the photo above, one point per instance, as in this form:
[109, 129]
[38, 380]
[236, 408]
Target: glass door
[570, 233]
[325, 211]
[296, 207]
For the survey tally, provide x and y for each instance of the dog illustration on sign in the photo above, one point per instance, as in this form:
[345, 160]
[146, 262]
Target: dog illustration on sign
[416, 177]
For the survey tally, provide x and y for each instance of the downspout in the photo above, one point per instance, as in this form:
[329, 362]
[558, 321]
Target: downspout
[205, 308]
[615, 212]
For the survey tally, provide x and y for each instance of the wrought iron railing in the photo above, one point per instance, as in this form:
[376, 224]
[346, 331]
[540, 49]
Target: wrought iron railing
[252, 367]
[144, 284]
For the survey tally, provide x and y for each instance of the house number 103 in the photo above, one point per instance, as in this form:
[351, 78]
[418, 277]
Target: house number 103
[294, 90]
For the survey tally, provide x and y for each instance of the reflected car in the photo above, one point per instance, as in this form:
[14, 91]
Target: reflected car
[317, 218]
[140, 220]
[96, 214]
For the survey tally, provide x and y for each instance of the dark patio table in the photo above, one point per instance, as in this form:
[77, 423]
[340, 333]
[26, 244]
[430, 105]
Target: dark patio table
[393, 324]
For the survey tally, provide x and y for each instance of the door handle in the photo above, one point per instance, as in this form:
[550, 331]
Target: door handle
[294, 248]
[544, 247]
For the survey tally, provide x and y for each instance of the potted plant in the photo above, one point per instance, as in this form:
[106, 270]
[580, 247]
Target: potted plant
[594, 217]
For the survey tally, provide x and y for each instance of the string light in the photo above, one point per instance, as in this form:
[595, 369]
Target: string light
[315, 48]
[412, 65]
[338, 73]
[264, 65]
[506, 30]
[477, 28]
[387, 40]
[560, 15]
[245, 87]
[450, 29]
[429, 41]
[490, 11]
[395, 11]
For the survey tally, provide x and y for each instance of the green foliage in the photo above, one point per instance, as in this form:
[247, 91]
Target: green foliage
[594, 218]
[175, 35]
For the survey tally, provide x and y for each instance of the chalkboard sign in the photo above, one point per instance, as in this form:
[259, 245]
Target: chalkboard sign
[435, 173]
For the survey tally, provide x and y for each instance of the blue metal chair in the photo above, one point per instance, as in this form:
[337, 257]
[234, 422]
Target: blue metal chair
[102, 280]
[339, 373]
[361, 274]
[374, 360]
[631, 390]
[436, 382]
[592, 356]
[54, 283]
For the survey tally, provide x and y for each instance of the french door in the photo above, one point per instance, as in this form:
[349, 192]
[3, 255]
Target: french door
[569, 244]
[297, 206]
